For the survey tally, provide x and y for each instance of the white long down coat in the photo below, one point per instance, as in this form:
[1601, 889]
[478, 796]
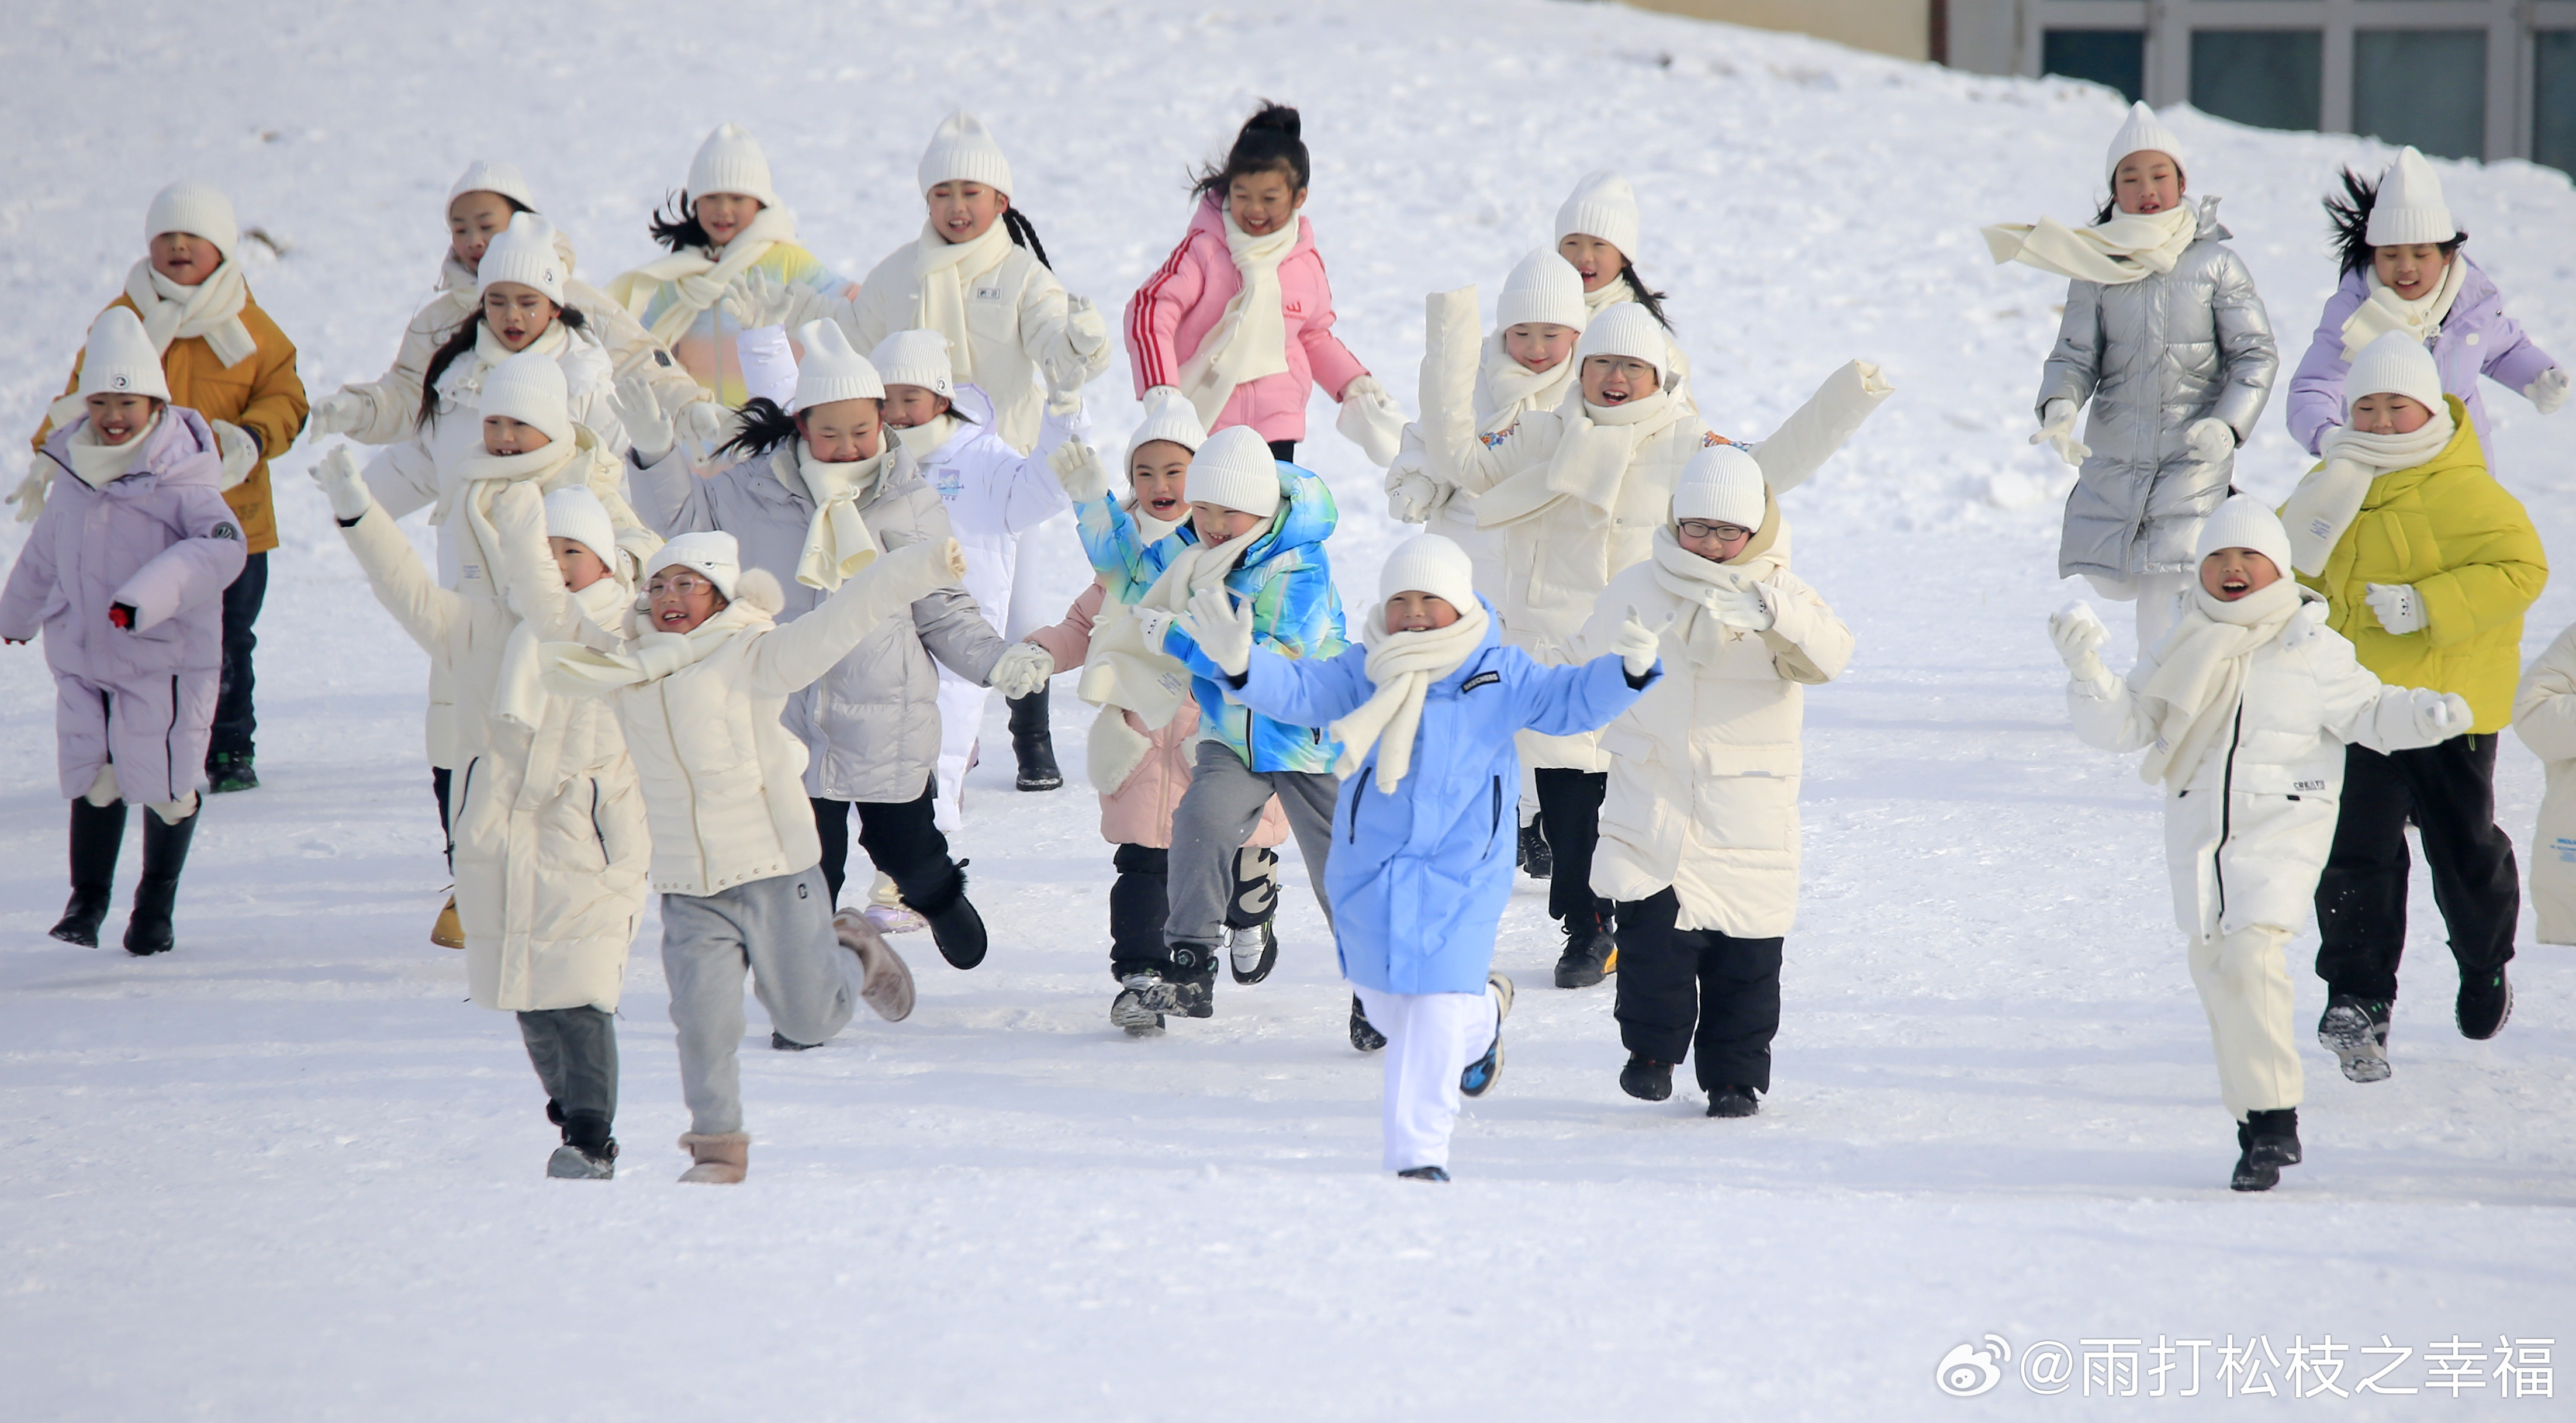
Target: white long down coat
[2248, 832]
[2544, 716]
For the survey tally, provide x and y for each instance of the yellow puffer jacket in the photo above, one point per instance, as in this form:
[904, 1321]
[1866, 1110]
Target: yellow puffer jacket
[2449, 530]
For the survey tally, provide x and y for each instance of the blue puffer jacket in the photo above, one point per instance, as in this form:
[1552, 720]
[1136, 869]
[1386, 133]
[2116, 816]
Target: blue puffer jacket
[1418, 878]
[1296, 612]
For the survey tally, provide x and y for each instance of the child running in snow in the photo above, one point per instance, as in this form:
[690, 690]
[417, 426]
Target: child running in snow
[548, 823]
[1143, 742]
[124, 574]
[1425, 714]
[2247, 709]
[698, 681]
[1699, 822]
[2167, 338]
[1239, 319]
[2427, 566]
[222, 357]
[2403, 271]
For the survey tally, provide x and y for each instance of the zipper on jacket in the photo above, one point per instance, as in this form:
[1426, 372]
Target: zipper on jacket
[464, 788]
[2227, 807]
[1356, 796]
[597, 833]
[1497, 827]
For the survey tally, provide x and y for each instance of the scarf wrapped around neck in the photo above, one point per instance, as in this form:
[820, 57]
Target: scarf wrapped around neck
[461, 384]
[838, 542]
[2328, 498]
[2201, 677]
[519, 696]
[212, 309]
[1403, 665]
[1590, 463]
[2384, 310]
[1250, 339]
[468, 497]
[1505, 385]
[929, 437]
[698, 280]
[2128, 247]
[573, 669]
[1122, 675]
[96, 463]
[1691, 578]
[943, 270]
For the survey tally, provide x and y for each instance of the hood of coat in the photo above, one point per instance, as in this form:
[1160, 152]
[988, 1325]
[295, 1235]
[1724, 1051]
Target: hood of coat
[1773, 535]
[2477, 305]
[2210, 228]
[2463, 452]
[180, 449]
[1210, 219]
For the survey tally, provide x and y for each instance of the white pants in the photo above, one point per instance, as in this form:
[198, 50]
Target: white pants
[1430, 1039]
[2157, 596]
[961, 723]
[2245, 989]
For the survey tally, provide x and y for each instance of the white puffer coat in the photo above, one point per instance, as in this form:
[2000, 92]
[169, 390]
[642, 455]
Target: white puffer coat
[549, 824]
[1458, 362]
[2248, 832]
[1704, 769]
[1015, 321]
[2544, 716]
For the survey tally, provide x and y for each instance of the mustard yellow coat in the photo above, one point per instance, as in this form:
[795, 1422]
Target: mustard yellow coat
[2468, 549]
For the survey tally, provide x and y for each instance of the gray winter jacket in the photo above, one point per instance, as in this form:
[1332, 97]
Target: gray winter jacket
[2153, 356]
[872, 723]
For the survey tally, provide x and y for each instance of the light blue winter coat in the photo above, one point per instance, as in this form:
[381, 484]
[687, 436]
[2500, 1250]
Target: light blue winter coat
[1418, 877]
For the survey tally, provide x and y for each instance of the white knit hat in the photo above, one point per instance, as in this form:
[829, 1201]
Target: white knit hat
[1168, 416]
[1721, 484]
[119, 359]
[523, 253]
[2396, 364]
[831, 370]
[963, 151]
[484, 175]
[2409, 207]
[712, 552]
[1544, 287]
[575, 513]
[1234, 470]
[2143, 132]
[1429, 563]
[1628, 329]
[1603, 206]
[915, 358]
[529, 388]
[730, 161]
[202, 209]
[2246, 522]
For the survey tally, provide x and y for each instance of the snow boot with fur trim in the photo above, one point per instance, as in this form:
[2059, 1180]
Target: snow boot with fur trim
[954, 924]
[885, 984]
[721, 1159]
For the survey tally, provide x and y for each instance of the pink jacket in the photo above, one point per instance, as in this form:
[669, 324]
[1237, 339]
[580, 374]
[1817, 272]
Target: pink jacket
[1140, 812]
[1180, 304]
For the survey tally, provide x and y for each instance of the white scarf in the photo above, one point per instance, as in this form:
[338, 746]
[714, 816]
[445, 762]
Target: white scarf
[943, 270]
[479, 477]
[1590, 463]
[519, 696]
[2202, 674]
[461, 384]
[571, 669]
[838, 542]
[1404, 665]
[1689, 577]
[1250, 340]
[929, 437]
[99, 464]
[1505, 388]
[2384, 310]
[699, 280]
[2323, 505]
[2128, 247]
[212, 309]
[1122, 675]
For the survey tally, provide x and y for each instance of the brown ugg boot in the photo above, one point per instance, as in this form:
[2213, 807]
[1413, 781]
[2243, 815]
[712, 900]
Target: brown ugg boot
[887, 985]
[721, 1159]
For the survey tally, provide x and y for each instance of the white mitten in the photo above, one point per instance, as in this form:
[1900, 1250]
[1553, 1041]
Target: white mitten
[2057, 431]
[338, 413]
[2445, 715]
[2399, 608]
[1152, 623]
[760, 298]
[336, 474]
[703, 422]
[1221, 629]
[1637, 644]
[240, 452]
[646, 426]
[1370, 420]
[30, 494]
[1022, 668]
[1084, 329]
[2080, 637]
[1078, 468]
[2211, 439]
[2547, 391]
[1873, 382]
[1739, 605]
[1410, 494]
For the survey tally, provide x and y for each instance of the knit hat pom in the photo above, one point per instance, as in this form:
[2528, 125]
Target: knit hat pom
[915, 358]
[2245, 522]
[1721, 484]
[575, 513]
[529, 388]
[2410, 208]
[525, 254]
[1605, 206]
[485, 175]
[712, 552]
[1629, 330]
[119, 359]
[199, 209]
[963, 151]
[1234, 470]
[730, 161]
[1543, 288]
[1429, 563]
[830, 370]
[2395, 364]
[2143, 133]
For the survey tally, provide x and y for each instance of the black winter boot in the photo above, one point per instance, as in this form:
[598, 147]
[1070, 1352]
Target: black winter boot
[2484, 1005]
[98, 833]
[1733, 1100]
[2268, 1141]
[165, 853]
[954, 924]
[1251, 917]
[1646, 1079]
[1537, 860]
[1589, 952]
[1033, 742]
[589, 1153]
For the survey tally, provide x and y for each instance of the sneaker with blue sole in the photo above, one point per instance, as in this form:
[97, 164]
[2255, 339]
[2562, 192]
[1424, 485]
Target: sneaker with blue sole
[1480, 1074]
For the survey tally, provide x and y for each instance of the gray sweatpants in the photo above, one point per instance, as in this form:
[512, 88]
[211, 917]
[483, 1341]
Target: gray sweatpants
[1215, 816]
[574, 1051]
[780, 929]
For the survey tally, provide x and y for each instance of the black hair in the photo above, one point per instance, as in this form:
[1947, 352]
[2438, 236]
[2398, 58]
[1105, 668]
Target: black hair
[1025, 233]
[765, 426]
[2348, 219]
[675, 225]
[1266, 141]
[1652, 301]
[460, 341]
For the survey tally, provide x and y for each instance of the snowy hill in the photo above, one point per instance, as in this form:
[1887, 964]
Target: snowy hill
[284, 1172]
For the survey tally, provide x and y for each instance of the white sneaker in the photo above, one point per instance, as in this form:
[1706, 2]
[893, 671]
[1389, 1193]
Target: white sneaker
[893, 919]
[1253, 952]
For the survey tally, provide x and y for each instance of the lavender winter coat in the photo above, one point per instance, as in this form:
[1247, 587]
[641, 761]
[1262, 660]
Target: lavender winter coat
[161, 540]
[2476, 337]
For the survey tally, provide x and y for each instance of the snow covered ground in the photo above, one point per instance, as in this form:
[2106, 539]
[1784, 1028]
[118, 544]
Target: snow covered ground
[286, 1173]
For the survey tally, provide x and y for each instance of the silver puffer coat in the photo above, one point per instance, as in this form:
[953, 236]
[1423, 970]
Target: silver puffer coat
[2153, 356]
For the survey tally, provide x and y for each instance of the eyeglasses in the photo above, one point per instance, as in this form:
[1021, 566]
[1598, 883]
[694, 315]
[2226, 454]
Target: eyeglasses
[683, 586]
[1723, 533]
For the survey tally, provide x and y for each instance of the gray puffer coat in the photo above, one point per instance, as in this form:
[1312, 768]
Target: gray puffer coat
[2153, 356]
[871, 725]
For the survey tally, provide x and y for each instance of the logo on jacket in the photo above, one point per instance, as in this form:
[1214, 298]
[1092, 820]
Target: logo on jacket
[992, 293]
[1479, 680]
[2308, 786]
[223, 531]
[1712, 438]
[1496, 438]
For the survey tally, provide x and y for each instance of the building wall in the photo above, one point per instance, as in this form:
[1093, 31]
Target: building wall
[1902, 28]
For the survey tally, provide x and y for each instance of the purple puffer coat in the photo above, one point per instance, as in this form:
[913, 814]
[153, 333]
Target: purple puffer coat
[2476, 337]
[161, 540]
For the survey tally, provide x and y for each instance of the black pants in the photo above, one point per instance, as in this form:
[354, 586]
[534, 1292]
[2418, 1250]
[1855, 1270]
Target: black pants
[1140, 903]
[1697, 990]
[439, 778]
[2448, 791]
[1284, 451]
[575, 1053]
[1569, 806]
[234, 719]
[901, 837]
